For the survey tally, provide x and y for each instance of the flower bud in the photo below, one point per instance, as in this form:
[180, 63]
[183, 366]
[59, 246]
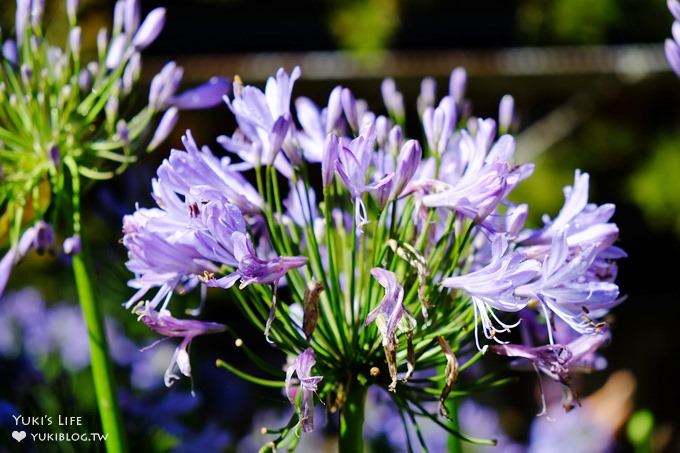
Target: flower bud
[334, 111]
[21, 19]
[72, 245]
[116, 51]
[349, 105]
[674, 8]
[122, 131]
[118, 17]
[506, 110]
[131, 16]
[277, 135]
[427, 94]
[72, 11]
[37, 10]
[150, 29]
[132, 72]
[84, 80]
[165, 127]
[393, 99]
[44, 237]
[329, 158]
[382, 190]
[382, 129]
[55, 155]
[407, 164]
[394, 140]
[102, 42]
[74, 37]
[457, 84]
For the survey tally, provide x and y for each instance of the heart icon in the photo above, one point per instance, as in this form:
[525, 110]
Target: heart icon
[19, 435]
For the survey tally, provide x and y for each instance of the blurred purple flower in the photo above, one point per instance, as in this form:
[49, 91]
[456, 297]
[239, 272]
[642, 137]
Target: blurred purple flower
[39, 237]
[203, 96]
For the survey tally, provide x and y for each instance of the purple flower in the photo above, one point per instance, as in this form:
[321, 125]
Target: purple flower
[163, 323]
[563, 289]
[407, 164]
[263, 119]
[475, 176]
[252, 269]
[439, 124]
[202, 174]
[390, 315]
[164, 85]
[203, 96]
[302, 367]
[317, 124]
[352, 165]
[493, 287]
[39, 237]
[585, 223]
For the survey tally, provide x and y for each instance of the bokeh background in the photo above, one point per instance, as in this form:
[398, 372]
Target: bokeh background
[592, 91]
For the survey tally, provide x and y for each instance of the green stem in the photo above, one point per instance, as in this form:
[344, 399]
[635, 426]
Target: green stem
[454, 442]
[102, 372]
[352, 419]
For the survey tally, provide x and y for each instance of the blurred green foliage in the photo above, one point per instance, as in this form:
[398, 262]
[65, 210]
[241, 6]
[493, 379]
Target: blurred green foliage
[568, 21]
[655, 186]
[364, 25]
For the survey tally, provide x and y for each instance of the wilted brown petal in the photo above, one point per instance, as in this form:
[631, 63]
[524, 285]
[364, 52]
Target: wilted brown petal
[311, 307]
[451, 375]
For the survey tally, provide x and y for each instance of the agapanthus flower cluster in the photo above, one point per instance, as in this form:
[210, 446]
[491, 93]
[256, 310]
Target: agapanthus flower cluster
[63, 117]
[406, 262]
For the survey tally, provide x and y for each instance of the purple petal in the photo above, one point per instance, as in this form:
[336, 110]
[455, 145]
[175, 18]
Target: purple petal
[329, 159]
[10, 51]
[204, 96]
[673, 55]
[674, 7]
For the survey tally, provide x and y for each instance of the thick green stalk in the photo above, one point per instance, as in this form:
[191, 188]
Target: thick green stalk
[352, 419]
[454, 442]
[102, 373]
